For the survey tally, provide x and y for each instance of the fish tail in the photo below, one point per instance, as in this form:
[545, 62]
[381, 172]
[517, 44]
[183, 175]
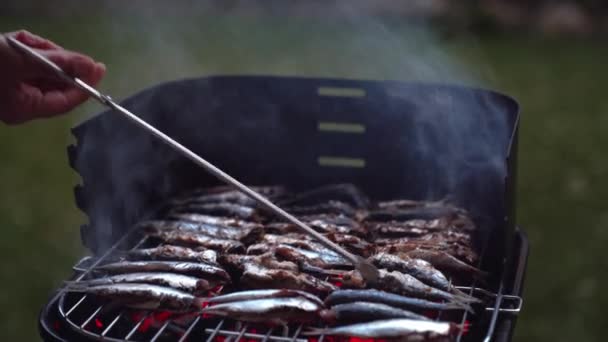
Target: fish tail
[77, 286]
[460, 306]
[465, 298]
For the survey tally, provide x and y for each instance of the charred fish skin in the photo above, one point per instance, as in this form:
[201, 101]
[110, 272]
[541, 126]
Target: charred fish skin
[243, 234]
[142, 296]
[196, 239]
[391, 299]
[201, 270]
[180, 282]
[276, 310]
[419, 269]
[173, 253]
[444, 261]
[392, 328]
[348, 193]
[213, 220]
[364, 312]
[268, 260]
[218, 209]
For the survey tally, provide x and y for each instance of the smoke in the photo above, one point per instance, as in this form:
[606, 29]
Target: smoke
[455, 142]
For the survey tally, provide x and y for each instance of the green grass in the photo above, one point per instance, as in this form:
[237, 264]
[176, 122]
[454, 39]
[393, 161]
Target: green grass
[560, 85]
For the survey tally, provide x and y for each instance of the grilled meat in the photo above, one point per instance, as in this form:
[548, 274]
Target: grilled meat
[398, 301]
[269, 310]
[202, 270]
[414, 330]
[194, 239]
[263, 294]
[180, 282]
[420, 269]
[142, 296]
[403, 284]
[257, 277]
[173, 253]
[323, 223]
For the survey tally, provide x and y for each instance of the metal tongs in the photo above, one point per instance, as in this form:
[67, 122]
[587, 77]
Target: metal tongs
[367, 270]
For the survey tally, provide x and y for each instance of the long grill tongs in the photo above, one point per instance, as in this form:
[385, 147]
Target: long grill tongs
[367, 270]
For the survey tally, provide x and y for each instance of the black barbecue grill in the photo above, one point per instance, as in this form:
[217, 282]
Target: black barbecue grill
[391, 139]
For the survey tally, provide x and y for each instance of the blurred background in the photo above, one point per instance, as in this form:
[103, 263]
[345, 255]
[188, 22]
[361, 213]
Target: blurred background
[549, 55]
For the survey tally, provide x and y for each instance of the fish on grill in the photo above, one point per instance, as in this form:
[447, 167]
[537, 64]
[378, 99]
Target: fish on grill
[173, 253]
[263, 294]
[194, 239]
[413, 330]
[403, 284]
[464, 253]
[323, 223]
[218, 209]
[391, 299]
[201, 270]
[180, 282]
[329, 207]
[142, 296]
[281, 310]
[419, 269]
[364, 312]
[267, 260]
[443, 261]
[244, 234]
[257, 277]
[213, 220]
[306, 257]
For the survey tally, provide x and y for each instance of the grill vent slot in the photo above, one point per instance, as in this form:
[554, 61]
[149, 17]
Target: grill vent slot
[341, 92]
[335, 161]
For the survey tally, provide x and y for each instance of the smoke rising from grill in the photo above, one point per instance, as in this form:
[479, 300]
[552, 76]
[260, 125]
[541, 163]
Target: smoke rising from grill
[341, 40]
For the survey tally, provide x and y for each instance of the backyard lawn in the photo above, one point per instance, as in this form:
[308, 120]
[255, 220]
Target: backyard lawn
[559, 83]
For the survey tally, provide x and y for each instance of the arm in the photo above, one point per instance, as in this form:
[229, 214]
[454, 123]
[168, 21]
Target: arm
[28, 91]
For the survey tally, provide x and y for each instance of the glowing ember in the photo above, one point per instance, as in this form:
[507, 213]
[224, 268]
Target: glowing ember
[98, 323]
[145, 325]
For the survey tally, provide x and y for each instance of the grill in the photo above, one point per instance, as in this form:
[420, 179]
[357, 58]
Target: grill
[391, 139]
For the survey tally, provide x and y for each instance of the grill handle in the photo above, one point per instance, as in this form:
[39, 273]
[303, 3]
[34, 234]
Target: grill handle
[367, 270]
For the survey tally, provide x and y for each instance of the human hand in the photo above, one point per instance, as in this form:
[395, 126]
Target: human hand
[29, 90]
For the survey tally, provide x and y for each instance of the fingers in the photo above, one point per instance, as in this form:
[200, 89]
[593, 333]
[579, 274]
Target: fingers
[34, 41]
[78, 65]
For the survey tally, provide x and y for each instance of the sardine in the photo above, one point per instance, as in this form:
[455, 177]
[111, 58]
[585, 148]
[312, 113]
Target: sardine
[392, 328]
[213, 220]
[270, 310]
[365, 312]
[268, 260]
[142, 296]
[444, 261]
[180, 282]
[173, 253]
[301, 241]
[262, 294]
[243, 234]
[403, 284]
[201, 270]
[395, 300]
[463, 253]
[329, 207]
[195, 239]
[218, 209]
[257, 277]
[307, 257]
[420, 269]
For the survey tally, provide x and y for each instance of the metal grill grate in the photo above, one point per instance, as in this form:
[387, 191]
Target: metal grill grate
[97, 320]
